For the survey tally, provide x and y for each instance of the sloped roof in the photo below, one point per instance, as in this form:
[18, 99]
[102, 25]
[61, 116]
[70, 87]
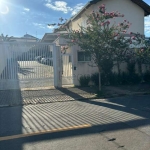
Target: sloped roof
[49, 37]
[140, 3]
[143, 5]
[29, 36]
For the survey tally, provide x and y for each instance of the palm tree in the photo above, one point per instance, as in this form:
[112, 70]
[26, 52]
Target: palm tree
[6, 38]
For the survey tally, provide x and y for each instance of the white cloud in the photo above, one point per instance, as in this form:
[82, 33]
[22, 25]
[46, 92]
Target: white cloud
[59, 6]
[43, 26]
[147, 24]
[50, 27]
[39, 25]
[48, 1]
[63, 6]
[26, 9]
[77, 8]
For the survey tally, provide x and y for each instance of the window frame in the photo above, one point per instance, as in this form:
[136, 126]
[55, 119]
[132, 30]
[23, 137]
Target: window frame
[84, 54]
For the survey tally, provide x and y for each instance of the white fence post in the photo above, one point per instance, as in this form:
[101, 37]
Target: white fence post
[57, 66]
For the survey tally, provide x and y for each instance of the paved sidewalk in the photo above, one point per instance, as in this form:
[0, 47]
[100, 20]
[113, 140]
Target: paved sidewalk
[17, 97]
[113, 91]
[38, 96]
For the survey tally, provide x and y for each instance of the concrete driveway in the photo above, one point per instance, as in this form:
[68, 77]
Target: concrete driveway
[33, 74]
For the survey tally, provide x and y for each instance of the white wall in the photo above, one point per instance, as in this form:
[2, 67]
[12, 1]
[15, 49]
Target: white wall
[80, 68]
[4, 55]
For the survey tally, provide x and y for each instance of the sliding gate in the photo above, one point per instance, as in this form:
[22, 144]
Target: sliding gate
[27, 65]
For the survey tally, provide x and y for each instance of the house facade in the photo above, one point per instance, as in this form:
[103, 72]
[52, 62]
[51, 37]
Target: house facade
[134, 11]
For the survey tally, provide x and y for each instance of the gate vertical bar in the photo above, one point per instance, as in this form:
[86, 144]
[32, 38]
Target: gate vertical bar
[57, 66]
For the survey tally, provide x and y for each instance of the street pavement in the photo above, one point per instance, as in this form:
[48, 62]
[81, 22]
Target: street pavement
[97, 124]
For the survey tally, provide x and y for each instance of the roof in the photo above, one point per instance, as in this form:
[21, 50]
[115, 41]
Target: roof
[49, 37]
[143, 5]
[29, 36]
[140, 3]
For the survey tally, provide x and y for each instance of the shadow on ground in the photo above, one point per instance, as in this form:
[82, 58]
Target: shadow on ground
[26, 71]
[11, 118]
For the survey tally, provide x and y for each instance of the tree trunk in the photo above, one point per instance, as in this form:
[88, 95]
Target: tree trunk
[100, 86]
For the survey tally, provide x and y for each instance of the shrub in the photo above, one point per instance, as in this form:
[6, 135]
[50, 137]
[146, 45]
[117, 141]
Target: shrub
[124, 78]
[106, 79]
[146, 76]
[95, 78]
[114, 79]
[134, 79]
[103, 78]
[131, 67]
[84, 80]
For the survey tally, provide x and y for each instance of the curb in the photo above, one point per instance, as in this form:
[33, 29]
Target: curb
[122, 95]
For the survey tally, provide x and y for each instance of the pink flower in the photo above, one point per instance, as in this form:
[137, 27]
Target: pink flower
[133, 37]
[108, 22]
[103, 5]
[131, 33]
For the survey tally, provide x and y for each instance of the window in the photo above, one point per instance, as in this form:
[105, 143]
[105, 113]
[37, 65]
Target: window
[82, 56]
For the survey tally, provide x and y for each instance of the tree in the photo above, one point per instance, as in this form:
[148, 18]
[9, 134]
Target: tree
[5, 38]
[142, 51]
[101, 38]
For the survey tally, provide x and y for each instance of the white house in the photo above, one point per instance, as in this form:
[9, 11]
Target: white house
[133, 10]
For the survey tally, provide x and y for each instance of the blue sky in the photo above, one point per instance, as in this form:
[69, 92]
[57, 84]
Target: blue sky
[18, 17]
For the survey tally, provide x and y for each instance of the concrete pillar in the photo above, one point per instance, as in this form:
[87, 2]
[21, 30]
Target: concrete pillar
[57, 66]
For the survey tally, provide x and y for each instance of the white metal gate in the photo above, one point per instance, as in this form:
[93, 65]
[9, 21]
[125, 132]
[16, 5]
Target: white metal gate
[27, 65]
